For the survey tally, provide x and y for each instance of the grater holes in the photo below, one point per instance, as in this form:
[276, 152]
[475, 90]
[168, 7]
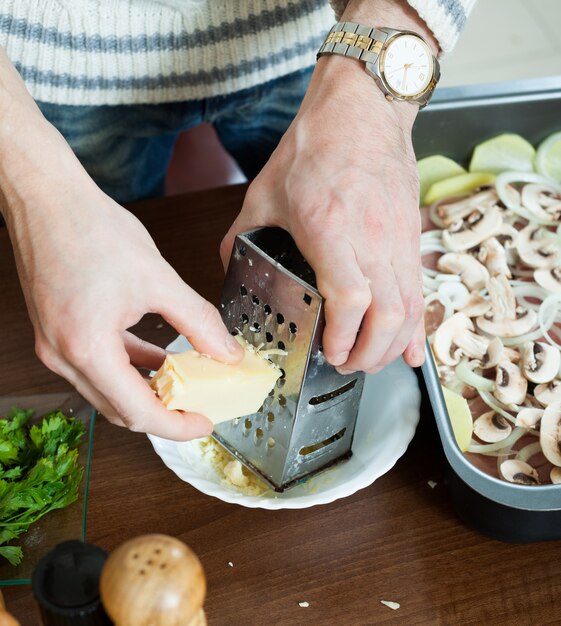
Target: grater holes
[281, 382]
[255, 327]
[270, 417]
[280, 318]
[292, 328]
[234, 332]
[243, 290]
[321, 444]
[244, 318]
[307, 299]
[282, 400]
[255, 299]
[267, 309]
[268, 337]
[242, 250]
[271, 393]
[271, 443]
[332, 394]
[259, 433]
[248, 423]
[283, 373]
[281, 346]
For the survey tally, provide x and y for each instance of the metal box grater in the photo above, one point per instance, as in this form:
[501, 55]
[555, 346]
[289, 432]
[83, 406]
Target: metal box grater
[307, 422]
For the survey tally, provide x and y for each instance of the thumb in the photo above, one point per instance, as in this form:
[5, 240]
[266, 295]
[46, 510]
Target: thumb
[256, 211]
[197, 319]
[242, 224]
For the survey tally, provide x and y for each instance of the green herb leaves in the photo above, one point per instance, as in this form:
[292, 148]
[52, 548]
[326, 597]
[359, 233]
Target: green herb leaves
[39, 472]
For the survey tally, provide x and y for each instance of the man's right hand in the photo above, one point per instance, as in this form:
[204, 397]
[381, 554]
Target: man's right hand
[89, 271]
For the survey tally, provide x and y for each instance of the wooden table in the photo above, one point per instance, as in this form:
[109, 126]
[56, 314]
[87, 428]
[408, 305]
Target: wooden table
[397, 540]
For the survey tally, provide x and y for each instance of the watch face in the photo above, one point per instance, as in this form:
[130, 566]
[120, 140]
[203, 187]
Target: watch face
[407, 65]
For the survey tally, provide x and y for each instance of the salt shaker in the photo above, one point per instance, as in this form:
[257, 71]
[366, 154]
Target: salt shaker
[154, 580]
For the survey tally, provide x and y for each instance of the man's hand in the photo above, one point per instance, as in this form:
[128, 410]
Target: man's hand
[343, 181]
[89, 270]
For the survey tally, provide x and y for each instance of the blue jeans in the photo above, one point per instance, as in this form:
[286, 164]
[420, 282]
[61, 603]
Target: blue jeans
[126, 149]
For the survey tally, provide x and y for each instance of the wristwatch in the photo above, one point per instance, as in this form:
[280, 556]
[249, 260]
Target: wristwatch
[400, 61]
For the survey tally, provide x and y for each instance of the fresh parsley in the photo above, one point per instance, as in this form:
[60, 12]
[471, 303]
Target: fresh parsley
[39, 472]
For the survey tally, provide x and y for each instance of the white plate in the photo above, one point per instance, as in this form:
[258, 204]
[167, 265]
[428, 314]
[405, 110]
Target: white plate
[387, 418]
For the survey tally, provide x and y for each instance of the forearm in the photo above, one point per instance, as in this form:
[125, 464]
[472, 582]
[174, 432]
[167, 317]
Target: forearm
[33, 154]
[343, 82]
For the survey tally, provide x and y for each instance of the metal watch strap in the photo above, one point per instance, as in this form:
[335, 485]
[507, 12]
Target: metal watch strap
[354, 40]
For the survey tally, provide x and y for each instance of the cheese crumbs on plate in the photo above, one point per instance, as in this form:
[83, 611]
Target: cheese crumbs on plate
[230, 470]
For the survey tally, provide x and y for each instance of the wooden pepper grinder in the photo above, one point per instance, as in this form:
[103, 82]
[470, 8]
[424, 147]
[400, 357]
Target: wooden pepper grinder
[6, 619]
[154, 580]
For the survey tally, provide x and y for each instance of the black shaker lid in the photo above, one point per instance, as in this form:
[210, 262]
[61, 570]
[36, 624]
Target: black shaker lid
[65, 584]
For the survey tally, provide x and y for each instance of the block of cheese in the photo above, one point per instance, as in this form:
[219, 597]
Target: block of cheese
[190, 381]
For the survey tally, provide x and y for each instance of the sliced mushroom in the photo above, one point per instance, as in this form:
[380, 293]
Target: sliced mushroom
[537, 248]
[510, 385]
[493, 255]
[549, 279]
[457, 293]
[505, 318]
[528, 418]
[519, 472]
[512, 354]
[454, 338]
[555, 475]
[550, 433]
[540, 361]
[548, 393]
[495, 353]
[532, 196]
[507, 236]
[541, 201]
[476, 305]
[491, 427]
[449, 212]
[471, 231]
[473, 274]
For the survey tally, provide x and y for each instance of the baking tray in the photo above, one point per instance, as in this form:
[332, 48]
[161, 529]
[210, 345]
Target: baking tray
[458, 119]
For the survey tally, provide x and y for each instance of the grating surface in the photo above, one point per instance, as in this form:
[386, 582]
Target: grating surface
[307, 422]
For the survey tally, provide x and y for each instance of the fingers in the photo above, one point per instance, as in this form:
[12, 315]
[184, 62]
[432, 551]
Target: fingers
[109, 382]
[133, 400]
[198, 320]
[347, 296]
[253, 214]
[407, 273]
[392, 324]
[142, 353]
[414, 354]
[381, 323]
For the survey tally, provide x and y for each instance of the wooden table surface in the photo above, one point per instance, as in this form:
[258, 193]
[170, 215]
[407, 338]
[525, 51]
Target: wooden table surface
[397, 540]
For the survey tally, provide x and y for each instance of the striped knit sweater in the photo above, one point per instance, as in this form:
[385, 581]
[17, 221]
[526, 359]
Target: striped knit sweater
[150, 51]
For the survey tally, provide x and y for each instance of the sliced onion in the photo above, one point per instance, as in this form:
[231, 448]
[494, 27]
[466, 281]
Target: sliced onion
[444, 300]
[521, 339]
[494, 404]
[506, 178]
[433, 213]
[516, 434]
[448, 278]
[547, 316]
[527, 452]
[470, 378]
[528, 290]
